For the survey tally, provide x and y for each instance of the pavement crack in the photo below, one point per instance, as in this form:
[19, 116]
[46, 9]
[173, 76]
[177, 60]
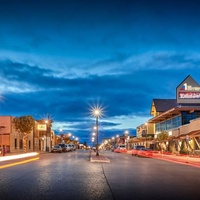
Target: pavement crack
[108, 182]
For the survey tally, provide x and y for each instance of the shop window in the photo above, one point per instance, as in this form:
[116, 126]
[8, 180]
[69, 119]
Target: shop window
[20, 144]
[186, 117]
[15, 143]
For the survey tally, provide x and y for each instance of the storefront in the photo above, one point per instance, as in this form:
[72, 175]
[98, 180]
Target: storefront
[179, 118]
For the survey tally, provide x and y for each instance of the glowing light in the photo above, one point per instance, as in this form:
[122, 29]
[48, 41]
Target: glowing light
[97, 110]
[18, 156]
[18, 163]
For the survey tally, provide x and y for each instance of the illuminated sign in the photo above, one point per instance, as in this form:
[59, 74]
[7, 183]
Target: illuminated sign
[189, 95]
[185, 86]
[42, 127]
[188, 92]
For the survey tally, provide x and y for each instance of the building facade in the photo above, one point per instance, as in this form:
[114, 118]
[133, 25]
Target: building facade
[41, 138]
[179, 118]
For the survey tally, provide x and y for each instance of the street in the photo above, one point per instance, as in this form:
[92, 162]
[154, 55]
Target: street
[72, 176]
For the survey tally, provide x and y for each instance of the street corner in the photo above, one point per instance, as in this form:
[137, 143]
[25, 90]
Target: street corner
[100, 159]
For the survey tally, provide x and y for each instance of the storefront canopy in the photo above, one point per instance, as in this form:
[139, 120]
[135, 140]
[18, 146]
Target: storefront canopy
[172, 113]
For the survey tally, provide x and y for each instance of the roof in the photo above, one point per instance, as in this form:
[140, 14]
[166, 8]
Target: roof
[162, 105]
[191, 79]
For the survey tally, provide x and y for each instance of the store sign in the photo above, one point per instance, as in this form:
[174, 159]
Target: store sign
[187, 87]
[189, 95]
[42, 127]
[188, 92]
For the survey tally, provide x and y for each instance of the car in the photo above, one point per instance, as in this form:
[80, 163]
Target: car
[121, 147]
[73, 147]
[136, 149]
[56, 149]
[67, 148]
[145, 152]
[63, 146]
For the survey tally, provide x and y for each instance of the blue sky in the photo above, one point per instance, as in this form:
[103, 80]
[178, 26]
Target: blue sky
[64, 57]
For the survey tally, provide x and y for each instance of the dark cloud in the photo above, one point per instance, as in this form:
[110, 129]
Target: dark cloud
[64, 57]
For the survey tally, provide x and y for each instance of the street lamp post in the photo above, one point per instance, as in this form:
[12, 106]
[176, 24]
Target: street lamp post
[146, 133]
[126, 138]
[97, 153]
[96, 113]
[47, 128]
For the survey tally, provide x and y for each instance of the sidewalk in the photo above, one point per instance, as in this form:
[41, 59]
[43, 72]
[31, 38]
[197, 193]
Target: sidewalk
[182, 159]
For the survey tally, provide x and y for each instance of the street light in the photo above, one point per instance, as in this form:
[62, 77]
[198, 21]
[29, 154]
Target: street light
[146, 132]
[46, 121]
[61, 135]
[96, 113]
[2, 139]
[126, 138]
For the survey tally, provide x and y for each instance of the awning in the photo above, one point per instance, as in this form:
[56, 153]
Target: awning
[190, 134]
[171, 113]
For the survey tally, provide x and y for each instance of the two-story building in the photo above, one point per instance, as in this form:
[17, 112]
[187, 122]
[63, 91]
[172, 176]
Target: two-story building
[41, 137]
[179, 117]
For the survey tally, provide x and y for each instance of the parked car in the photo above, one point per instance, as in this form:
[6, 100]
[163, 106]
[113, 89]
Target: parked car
[136, 148]
[63, 146]
[121, 147]
[56, 149]
[73, 147]
[145, 152]
[68, 147]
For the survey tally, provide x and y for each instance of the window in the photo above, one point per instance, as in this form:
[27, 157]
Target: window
[15, 143]
[20, 144]
[186, 116]
[169, 124]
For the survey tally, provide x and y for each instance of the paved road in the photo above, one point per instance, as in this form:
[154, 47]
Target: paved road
[72, 176]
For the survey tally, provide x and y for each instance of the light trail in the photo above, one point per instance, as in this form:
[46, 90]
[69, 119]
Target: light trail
[18, 163]
[5, 158]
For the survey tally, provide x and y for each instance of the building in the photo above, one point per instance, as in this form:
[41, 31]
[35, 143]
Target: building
[41, 137]
[179, 118]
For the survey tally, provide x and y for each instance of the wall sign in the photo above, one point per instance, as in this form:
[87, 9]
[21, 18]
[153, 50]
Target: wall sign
[42, 127]
[188, 92]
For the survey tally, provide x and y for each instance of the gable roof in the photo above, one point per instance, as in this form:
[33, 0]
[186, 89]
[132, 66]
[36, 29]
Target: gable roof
[190, 79]
[162, 105]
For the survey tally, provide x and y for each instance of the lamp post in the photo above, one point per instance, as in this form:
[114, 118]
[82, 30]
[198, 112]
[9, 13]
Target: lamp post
[2, 150]
[46, 121]
[146, 133]
[92, 141]
[97, 113]
[60, 135]
[127, 137]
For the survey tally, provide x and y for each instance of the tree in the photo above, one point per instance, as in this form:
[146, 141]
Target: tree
[24, 125]
[161, 138]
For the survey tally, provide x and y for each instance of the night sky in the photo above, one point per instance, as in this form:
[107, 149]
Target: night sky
[62, 58]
